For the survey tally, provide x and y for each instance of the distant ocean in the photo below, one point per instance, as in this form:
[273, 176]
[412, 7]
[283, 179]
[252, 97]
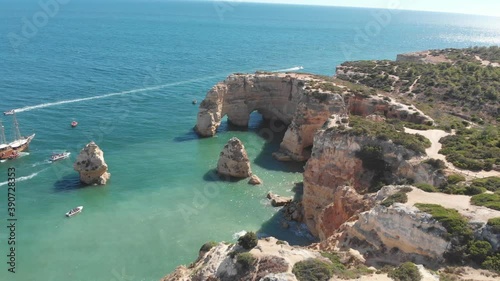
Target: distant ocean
[127, 72]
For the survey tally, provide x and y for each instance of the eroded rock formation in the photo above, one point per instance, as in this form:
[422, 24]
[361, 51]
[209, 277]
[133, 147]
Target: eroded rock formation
[400, 230]
[233, 160]
[303, 102]
[273, 261]
[91, 165]
[334, 164]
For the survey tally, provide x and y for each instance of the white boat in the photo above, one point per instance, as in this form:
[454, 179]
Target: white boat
[59, 156]
[9, 112]
[74, 211]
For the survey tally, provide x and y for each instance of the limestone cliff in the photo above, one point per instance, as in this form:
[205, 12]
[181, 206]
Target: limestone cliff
[91, 165]
[399, 233]
[334, 163]
[273, 261]
[233, 160]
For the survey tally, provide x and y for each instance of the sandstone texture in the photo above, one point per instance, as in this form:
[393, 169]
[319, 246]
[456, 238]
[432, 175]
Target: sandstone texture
[91, 166]
[274, 261]
[254, 180]
[334, 164]
[233, 160]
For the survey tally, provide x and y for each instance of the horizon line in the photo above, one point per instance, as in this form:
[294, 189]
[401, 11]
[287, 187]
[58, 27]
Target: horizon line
[356, 7]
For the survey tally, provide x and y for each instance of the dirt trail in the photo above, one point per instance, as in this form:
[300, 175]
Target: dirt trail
[433, 152]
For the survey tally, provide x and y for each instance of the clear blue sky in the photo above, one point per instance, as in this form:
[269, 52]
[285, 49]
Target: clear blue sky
[479, 7]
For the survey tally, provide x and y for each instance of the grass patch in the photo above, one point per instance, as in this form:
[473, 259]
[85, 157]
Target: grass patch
[491, 201]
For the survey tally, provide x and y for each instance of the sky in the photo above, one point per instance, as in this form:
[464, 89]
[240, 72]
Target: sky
[478, 7]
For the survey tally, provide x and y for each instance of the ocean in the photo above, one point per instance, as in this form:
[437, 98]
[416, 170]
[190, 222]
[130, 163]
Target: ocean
[128, 71]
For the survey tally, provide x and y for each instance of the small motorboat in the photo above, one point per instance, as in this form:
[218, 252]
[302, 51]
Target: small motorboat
[74, 211]
[9, 112]
[74, 124]
[59, 156]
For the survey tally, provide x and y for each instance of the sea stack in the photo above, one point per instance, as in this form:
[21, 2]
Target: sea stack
[233, 160]
[91, 165]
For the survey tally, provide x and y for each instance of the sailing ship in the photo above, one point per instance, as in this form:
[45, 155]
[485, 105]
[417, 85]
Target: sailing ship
[20, 143]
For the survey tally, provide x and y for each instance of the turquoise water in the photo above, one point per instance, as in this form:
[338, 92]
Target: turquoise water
[127, 72]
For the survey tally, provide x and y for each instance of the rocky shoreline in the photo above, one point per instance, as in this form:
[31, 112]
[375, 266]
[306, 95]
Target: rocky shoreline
[361, 171]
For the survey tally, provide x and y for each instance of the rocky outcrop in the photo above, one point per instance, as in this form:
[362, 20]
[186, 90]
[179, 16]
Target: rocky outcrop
[278, 201]
[273, 261]
[334, 163]
[233, 160]
[254, 180]
[91, 165]
[347, 204]
[399, 231]
[274, 96]
[387, 107]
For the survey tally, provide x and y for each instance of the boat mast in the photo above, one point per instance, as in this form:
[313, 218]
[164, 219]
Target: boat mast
[17, 133]
[2, 134]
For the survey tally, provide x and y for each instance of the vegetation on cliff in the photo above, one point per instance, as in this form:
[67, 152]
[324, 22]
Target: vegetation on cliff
[473, 149]
[464, 247]
[248, 241]
[406, 272]
[386, 131]
[463, 88]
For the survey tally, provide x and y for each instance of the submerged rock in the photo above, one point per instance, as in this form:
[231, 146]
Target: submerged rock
[233, 160]
[255, 180]
[91, 166]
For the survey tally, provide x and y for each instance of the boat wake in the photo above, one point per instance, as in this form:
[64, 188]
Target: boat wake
[296, 68]
[50, 104]
[25, 178]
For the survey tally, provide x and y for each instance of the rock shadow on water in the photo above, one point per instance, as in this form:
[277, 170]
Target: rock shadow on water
[189, 136]
[292, 232]
[273, 131]
[68, 183]
[213, 176]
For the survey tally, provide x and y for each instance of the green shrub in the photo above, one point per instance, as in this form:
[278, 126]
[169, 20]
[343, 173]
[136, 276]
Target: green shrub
[492, 263]
[455, 178]
[406, 272]
[207, 246]
[398, 197]
[491, 201]
[385, 130]
[473, 149]
[437, 164]
[426, 187]
[491, 183]
[479, 250]
[312, 270]
[248, 241]
[495, 225]
[340, 269]
[455, 224]
[246, 260]
[473, 190]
